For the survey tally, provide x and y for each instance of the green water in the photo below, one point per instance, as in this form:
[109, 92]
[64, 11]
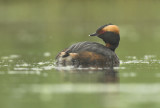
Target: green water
[33, 32]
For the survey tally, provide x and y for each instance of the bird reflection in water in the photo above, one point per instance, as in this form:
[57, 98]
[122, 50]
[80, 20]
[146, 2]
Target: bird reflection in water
[109, 76]
[91, 76]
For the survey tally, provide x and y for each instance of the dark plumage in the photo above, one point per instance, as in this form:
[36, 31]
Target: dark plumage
[92, 54]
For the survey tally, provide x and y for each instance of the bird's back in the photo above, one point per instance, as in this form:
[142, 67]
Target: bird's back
[87, 54]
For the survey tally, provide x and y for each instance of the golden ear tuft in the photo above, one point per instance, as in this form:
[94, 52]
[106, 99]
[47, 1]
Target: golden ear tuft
[111, 28]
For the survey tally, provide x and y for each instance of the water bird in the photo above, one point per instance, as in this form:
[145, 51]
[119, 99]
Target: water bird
[93, 54]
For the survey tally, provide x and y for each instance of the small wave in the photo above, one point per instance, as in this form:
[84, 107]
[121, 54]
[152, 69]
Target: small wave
[86, 68]
[132, 88]
[146, 59]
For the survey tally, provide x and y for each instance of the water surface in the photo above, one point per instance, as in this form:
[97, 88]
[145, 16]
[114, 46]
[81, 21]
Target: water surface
[134, 83]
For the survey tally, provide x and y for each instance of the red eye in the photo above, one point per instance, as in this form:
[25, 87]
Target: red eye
[101, 32]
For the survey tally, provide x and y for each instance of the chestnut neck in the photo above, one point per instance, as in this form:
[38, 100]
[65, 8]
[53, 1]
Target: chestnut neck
[112, 47]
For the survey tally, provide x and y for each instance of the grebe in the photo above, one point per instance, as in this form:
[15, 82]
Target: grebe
[92, 54]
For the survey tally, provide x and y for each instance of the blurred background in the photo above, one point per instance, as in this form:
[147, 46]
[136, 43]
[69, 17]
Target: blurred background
[32, 32]
[50, 25]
